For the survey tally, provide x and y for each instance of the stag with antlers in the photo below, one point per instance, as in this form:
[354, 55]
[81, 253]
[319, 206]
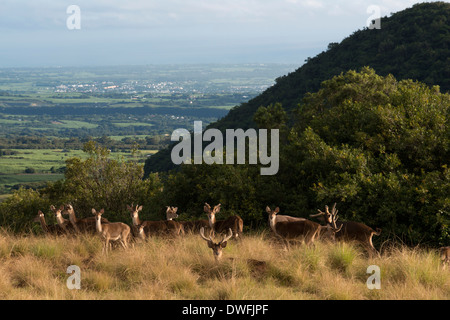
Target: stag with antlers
[217, 247]
[351, 230]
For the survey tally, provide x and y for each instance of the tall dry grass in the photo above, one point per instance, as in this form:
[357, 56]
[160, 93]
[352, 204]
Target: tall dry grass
[257, 267]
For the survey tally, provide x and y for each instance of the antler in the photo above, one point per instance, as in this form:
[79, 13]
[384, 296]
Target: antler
[217, 208]
[321, 213]
[334, 218]
[230, 234]
[202, 234]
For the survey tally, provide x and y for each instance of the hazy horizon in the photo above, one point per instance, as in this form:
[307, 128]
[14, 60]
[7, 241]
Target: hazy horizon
[35, 33]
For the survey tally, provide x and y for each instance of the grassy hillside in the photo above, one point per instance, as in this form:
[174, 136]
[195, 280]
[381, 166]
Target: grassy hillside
[34, 267]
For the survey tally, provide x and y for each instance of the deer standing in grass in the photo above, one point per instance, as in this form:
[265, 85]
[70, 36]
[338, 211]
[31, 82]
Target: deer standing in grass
[116, 231]
[63, 224]
[305, 230]
[162, 227]
[81, 225]
[171, 213]
[235, 223]
[48, 229]
[351, 230]
[217, 247]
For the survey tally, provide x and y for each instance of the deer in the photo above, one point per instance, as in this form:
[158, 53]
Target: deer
[154, 227]
[444, 252]
[217, 247]
[140, 234]
[351, 230]
[112, 231]
[63, 224]
[48, 229]
[171, 213]
[81, 225]
[234, 222]
[305, 230]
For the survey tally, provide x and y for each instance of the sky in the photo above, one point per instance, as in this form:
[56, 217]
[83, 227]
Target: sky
[44, 33]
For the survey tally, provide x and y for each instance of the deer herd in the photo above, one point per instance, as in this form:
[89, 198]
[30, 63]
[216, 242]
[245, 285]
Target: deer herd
[284, 227]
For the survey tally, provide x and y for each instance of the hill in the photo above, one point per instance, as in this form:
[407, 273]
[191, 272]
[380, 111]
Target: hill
[411, 44]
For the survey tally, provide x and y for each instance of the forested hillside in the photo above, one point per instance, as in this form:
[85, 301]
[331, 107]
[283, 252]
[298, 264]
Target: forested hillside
[411, 44]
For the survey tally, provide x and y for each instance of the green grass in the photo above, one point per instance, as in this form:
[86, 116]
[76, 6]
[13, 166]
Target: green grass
[255, 268]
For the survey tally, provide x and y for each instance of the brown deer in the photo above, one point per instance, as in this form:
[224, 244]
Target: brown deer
[217, 247]
[140, 234]
[351, 230]
[234, 222]
[48, 229]
[162, 227]
[81, 225]
[305, 230]
[444, 252]
[116, 231]
[171, 213]
[63, 224]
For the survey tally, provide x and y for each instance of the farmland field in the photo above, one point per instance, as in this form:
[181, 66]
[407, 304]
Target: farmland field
[47, 114]
[45, 165]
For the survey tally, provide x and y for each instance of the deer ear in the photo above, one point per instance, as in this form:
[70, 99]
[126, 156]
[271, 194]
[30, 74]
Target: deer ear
[140, 208]
[52, 207]
[93, 211]
[168, 209]
[210, 244]
[175, 209]
[207, 208]
[223, 244]
[277, 210]
[102, 211]
[268, 209]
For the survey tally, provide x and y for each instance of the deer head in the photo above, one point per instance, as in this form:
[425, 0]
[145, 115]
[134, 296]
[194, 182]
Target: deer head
[217, 247]
[328, 217]
[272, 215]
[57, 212]
[39, 216]
[134, 211]
[171, 213]
[211, 213]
